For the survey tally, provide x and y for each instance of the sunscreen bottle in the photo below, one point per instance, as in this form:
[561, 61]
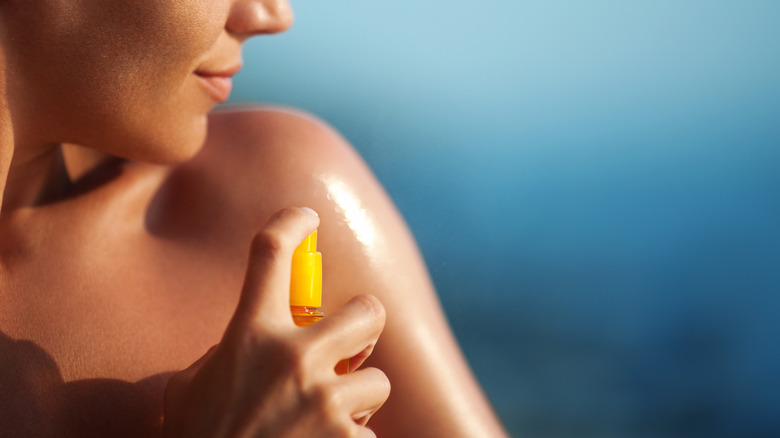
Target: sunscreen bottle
[306, 283]
[306, 288]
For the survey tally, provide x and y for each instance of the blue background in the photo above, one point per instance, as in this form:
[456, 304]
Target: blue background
[594, 185]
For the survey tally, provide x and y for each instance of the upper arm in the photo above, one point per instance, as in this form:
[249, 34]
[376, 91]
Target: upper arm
[367, 248]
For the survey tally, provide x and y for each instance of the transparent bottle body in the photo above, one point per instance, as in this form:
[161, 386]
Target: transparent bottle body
[304, 315]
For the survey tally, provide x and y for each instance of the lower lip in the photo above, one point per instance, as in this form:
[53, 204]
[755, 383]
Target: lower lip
[218, 87]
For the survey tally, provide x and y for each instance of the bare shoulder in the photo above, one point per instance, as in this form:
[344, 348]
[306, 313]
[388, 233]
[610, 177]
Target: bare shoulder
[281, 143]
[267, 158]
[256, 131]
[258, 160]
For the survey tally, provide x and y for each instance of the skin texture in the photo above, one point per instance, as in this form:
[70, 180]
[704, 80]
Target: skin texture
[141, 293]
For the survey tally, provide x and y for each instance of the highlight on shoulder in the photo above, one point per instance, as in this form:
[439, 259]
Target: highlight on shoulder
[259, 159]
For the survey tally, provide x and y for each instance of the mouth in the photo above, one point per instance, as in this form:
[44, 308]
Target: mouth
[217, 83]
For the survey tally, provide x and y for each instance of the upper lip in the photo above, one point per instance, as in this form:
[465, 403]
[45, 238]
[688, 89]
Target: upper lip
[221, 72]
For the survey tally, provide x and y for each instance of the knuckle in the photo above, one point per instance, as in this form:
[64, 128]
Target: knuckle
[284, 350]
[267, 243]
[263, 349]
[371, 305]
[327, 401]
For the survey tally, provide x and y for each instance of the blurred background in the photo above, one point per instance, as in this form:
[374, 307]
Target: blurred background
[595, 187]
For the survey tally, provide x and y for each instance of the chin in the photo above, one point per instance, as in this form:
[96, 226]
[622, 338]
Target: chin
[167, 153]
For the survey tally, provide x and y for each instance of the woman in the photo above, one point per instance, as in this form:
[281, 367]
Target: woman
[128, 306]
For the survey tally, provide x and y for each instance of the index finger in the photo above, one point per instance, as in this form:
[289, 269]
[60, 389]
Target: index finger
[266, 291]
[351, 332]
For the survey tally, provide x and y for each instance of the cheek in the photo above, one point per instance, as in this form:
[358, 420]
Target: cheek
[159, 48]
[124, 71]
[161, 109]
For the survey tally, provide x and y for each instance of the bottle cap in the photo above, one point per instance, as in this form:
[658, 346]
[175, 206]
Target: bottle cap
[306, 278]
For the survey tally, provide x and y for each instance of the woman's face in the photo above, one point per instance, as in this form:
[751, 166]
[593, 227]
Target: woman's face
[133, 78]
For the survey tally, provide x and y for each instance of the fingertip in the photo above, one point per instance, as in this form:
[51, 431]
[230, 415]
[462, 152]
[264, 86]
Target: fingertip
[310, 211]
[293, 223]
[299, 212]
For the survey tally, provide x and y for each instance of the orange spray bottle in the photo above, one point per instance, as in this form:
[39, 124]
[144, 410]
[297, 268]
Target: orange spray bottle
[306, 283]
[306, 288]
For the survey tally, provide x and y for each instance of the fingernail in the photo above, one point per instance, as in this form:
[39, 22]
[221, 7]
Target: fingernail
[313, 213]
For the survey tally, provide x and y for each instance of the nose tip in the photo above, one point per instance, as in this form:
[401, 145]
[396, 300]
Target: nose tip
[252, 17]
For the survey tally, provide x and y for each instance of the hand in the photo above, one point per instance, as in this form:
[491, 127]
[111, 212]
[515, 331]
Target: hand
[270, 378]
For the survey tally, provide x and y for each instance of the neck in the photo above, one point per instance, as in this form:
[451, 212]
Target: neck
[32, 173]
[34, 178]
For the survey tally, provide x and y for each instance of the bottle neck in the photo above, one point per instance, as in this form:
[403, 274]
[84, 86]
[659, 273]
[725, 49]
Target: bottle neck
[304, 315]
